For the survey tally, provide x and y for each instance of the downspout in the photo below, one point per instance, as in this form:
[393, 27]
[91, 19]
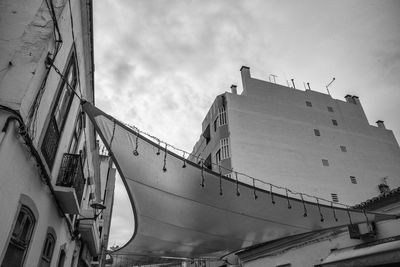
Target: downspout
[43, 172]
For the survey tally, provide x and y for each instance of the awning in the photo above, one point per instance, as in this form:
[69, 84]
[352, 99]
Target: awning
[377, 253]
[176, 217]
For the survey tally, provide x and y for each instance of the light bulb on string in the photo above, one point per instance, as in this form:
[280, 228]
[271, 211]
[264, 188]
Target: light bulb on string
[334, 213]
[254, 189]
[319, 209]
[237, 185]
[220, 182]
[165, 159]
[272, 194]
[184, 160]
[287, 198]
[304, 206]
[135, 151]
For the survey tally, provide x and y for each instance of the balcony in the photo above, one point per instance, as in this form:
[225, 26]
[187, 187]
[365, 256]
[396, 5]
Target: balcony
[89, 230]
[70, 183]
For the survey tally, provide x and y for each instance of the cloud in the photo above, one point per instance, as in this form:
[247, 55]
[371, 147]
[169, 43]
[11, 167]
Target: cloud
[160, 64]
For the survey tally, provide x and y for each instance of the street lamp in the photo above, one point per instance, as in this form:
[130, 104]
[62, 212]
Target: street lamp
[96, 206]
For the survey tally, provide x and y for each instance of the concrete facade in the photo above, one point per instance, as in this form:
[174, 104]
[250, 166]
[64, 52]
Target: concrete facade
[35, 35]
[271, 137]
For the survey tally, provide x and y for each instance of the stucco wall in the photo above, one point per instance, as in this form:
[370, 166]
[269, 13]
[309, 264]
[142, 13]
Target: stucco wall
[272, 138]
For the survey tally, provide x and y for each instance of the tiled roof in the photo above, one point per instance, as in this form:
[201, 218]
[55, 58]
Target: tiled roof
[384, 199]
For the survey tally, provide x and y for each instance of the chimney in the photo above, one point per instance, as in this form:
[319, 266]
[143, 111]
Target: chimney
[380, 124]
[234, 89]
[349, 99]
[245, 73]
[356, 100]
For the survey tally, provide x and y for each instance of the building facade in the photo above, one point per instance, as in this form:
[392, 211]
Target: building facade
[311, 143]
[302, 140]
[53, 203]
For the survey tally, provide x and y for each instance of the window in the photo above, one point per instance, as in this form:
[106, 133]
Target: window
[308, 104]
[325, 162]
[224, 146]
[330, 109]
[59, 112]
[222, 116]
[218, 156]
[20, 238]
[76, 134]
[215, 124]
[207, 134]
[48, 249]
[353, 180]
[316, 132]
[343, 148]
[334, 122]
[61, 259]
[334, 197]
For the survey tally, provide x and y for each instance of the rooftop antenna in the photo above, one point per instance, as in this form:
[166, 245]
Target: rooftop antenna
[329, 85]
[273, 76]
[294, 86]
[309, 88]
[304, 84]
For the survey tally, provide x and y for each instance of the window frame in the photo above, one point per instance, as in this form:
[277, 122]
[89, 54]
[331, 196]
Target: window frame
[330, 109]
[308, 104]
[353, 179]
[49, 255]
[335, 122]
[343, 149]
[325, 162]
[317, 132]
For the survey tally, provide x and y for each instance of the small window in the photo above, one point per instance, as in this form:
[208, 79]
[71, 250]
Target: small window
[215, 124]
[222, 116]
[316, 132]
[48, 249]
[308, 104]
[224, 147]
[343, 148]
[325, 162]
[218, 156]
[330, 109]
[353, 179]
[334, 122]
[334, 197]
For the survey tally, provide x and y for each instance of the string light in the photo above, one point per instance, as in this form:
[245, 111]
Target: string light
[304, 206]
[272, 194]
[367, 221]
[254, 189]
[220, 182]
[334, 213]
[184, 160]
[165, 159]
[112, 138]
[135, 151]
[237, 185]
[348, 214]
[202, 173]
[319, 209]
[199, 159]
[287, 198]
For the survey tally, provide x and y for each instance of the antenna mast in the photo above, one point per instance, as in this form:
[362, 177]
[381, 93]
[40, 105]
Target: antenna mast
[329, 85]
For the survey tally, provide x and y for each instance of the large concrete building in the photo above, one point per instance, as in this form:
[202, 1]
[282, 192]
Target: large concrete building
[310, 143]
[54, 183]
[302, 140]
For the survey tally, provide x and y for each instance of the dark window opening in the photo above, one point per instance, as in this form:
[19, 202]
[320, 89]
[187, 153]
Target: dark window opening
[334, 122]
[317, 132]
[335, 197]
[353, 180]
[330, 109]
[343, 148]
[207, 162]
[215, 124]
[308, 104]
[48, 249]
[325, 162]
[218, 156]
[207, 134]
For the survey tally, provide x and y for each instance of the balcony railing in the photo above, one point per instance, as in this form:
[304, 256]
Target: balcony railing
[71, 174]
[50, 142]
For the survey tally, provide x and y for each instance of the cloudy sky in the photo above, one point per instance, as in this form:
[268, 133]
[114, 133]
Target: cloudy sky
[160, 64]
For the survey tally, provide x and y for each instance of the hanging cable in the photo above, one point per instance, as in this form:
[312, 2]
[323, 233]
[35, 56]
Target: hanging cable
[184, 160]
[165, 159]
[202, 173]
[220, 182]
[254, 189]
[348, 214]
[158, 147]
[319, 209]
[237, 185]
[334, 213]
[367, 221]
[287, 198]
[272, 194]
[110, 153]
[304, 206]
[135, 151]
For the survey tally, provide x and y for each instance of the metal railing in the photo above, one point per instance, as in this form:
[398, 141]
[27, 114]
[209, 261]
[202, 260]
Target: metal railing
[71, 174]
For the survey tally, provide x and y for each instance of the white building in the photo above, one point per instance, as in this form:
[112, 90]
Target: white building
[51, 180]
[310, 143]
[302, 140]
